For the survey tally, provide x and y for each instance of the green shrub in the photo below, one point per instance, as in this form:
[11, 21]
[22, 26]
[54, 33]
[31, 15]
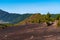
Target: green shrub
[58, 24]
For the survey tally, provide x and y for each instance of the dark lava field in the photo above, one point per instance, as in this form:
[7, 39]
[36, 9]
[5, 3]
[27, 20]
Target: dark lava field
[30, 32]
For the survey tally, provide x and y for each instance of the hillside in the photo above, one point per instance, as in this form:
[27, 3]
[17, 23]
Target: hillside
[40, 18]
[35, 18]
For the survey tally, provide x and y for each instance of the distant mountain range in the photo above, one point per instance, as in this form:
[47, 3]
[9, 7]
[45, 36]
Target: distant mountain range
[12, 17]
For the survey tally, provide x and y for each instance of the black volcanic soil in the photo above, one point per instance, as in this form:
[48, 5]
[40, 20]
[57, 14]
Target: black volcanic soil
[30, 32]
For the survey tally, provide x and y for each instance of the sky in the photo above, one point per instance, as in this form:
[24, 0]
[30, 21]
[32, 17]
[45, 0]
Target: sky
[30, 6]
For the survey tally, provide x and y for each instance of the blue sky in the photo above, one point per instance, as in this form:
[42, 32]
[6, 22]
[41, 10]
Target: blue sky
[30, 6]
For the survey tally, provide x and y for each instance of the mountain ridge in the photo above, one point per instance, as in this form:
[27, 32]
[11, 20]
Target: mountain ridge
[12, 17]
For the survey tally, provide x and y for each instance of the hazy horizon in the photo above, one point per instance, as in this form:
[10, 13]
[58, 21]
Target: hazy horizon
[30, 6]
